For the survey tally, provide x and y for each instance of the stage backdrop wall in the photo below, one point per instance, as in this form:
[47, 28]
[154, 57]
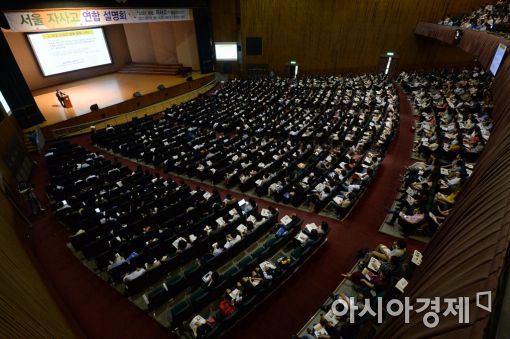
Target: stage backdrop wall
[163, 43]
[331, 36]
[31, 72]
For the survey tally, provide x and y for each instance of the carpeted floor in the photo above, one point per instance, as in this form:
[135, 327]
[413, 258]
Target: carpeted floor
[103, 313]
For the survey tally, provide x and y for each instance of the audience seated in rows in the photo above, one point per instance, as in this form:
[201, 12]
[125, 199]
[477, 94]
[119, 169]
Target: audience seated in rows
[309, 140]
[491, 17]
[375, 276]
[254, 280]
[453, 126]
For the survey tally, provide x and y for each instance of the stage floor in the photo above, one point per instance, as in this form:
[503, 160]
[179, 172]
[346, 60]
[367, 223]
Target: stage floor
[104, 90]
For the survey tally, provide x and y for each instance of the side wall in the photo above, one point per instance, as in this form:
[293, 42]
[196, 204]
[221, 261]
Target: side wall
[28, 310]
[469, 252]
[331, 36]
[12, 151]
[27, 307]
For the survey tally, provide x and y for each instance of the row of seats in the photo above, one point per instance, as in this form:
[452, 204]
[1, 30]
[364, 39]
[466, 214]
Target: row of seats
[113, 231]
[268, 140]
[379, 275]
[454, 109]
[452, 129]
[156, 239]
[162, 293]
[245, 285]
[427, 195]
[491, 17]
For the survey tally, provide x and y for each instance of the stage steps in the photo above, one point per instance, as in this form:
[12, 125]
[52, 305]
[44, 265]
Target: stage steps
[172, 69]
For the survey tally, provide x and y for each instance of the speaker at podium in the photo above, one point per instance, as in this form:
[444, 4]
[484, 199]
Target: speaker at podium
[67, 101]
[63, 99]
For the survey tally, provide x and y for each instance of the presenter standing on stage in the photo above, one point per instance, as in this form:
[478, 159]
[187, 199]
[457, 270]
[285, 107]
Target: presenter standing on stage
[60, 96]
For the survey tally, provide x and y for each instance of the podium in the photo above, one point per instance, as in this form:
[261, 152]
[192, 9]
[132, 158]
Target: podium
[67, 101]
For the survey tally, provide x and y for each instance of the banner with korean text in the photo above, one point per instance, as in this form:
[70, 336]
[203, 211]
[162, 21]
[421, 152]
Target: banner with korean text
[44, 20]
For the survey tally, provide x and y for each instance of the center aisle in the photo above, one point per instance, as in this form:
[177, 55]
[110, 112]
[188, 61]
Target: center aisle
[102, 312]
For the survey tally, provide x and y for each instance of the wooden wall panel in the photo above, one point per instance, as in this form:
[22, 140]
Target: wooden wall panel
[330, 36]
[26, 306]
[9, 134]
[224, 13]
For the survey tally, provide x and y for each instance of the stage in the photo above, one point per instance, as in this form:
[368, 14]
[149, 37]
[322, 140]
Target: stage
[105, 91]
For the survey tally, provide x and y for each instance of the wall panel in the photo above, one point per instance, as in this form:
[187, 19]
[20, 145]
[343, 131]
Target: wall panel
[329, 36]
[139, 41]
[185, 38]
[163, 43]
[223, 13]
[26, 306]
[10, 135]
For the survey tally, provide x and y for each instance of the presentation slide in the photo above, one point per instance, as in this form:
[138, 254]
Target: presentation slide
[498, 57]
[66, 51]
[226, 51]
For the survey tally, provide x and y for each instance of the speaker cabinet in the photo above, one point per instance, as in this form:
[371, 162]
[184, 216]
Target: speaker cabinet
[253, 46]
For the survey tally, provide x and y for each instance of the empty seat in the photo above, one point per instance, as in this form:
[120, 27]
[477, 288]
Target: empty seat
[270, 242]
[199, 298]
[174, 284]
[180, 312]
[232, 272]
[245, 262]
[156, 297]
[258, 251]
[193, 272]
[136, 285]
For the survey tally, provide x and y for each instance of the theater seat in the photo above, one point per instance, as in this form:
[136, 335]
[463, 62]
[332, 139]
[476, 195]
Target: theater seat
[199, 298]
[245, 262]
[156, 297]
[180, 312]
[136, 285]
[174, 284]
[193, 273]
[231, 273]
